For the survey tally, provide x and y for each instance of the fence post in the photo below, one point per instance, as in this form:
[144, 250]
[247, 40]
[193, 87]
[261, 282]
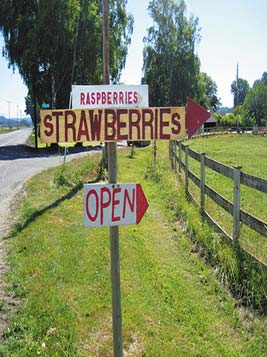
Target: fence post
[175, 155]
[202, 182]
[180, 157]
[186, 169]
[155, 151]
[170, 156]
[236, 205]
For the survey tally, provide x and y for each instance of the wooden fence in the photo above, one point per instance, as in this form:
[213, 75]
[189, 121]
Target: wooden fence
[234, 173]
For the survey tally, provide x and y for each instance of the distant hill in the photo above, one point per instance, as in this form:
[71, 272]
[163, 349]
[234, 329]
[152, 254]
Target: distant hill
[224, 110]
[13, 122]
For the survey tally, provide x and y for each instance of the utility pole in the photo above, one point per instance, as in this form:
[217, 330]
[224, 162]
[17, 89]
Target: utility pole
[237, 94]
[17, 116]
[237, 89]
[35, 112]
[9, 124]
[114, 231]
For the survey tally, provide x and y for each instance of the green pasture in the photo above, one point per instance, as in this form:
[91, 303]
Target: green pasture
[249, 152]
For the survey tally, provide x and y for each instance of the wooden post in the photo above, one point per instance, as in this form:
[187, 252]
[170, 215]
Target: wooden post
[175, 155]
[202, 183]
[236, 205]
[172, 153]
[180, 157]
[35, 109]
[115, 262]
[106, 63]
[114, 231]
[155, 151]
[186, 169]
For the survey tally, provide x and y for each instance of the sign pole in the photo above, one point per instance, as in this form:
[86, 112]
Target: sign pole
[114, 231]
[115, 262]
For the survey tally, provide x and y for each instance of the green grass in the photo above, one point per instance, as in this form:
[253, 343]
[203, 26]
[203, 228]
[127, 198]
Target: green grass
[250, 152]
[172, 301]
[7, 129]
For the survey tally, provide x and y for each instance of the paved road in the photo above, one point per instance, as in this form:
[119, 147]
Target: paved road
[18, 162]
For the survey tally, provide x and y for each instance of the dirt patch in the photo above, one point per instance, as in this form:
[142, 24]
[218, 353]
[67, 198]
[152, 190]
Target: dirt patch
[8, 304]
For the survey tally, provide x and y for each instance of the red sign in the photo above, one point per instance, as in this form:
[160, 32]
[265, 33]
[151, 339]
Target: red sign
[113, 204]
[195, 117]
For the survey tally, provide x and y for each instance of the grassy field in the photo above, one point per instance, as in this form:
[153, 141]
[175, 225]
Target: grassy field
[172, 301]
[249, 152]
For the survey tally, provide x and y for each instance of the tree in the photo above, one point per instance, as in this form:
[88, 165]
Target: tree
[255, 104]
[55, 43]
[170, 65]
[239, 88]
[264, 78]
[207, 92]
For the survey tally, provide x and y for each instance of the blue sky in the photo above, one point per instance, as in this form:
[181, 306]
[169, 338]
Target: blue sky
[232, 31]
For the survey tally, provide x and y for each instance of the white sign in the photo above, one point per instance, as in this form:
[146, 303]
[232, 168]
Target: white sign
[113, 204]
[109, 96]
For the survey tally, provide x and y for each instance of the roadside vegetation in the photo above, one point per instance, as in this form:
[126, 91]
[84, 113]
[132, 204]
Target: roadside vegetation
[172, 300]
[6, 130]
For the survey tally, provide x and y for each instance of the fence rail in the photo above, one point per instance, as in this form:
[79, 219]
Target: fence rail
[234, 173]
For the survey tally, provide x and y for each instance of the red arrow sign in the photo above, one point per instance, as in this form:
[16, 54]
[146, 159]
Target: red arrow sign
[113, 204]
[195, 117]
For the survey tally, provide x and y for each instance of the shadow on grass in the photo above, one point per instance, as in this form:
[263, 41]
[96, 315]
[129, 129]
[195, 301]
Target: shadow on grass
[18, 227]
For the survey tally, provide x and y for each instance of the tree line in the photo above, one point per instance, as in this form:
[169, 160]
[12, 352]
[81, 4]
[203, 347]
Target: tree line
[250, 104]
[57, 43]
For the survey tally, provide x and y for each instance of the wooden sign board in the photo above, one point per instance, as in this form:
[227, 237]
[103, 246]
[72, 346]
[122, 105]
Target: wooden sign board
[113, 204]
[131, 124]
[109, 96]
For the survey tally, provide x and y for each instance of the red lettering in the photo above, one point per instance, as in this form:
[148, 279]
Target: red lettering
[104, 97]
[89, 215]
[93, 98]
[98, 97]
[147, 122]
[83, 128]
[163, 123]
[48, 125]
[104, 203]
[131, 203]
[115, 98]
[109, 98]
[121, 124]
[70, 125]
[130, 97]
[135, 97]
[121, 98]
[175, 122]
[95, 122]
[82, 96]
[134, 122]
[115, 203]
[88, 99]
[57, 115]
[110, 125]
